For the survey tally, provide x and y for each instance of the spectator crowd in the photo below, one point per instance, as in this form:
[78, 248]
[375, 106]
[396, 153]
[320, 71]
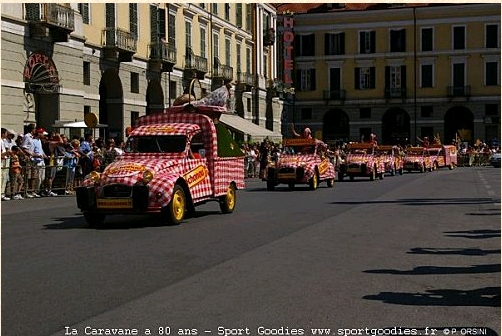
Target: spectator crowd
[47, 164]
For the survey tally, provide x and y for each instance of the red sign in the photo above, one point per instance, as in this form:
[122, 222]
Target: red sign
[49, 73]
[288, 38]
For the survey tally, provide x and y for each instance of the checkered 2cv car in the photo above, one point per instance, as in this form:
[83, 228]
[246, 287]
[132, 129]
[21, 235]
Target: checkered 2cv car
[361, 161]
[417, 159]
[302, 161]
[173, 161]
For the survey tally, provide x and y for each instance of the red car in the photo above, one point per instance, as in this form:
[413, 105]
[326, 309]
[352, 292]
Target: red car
[443, 156]
[417, 159]
[361, 161]
[391, 158]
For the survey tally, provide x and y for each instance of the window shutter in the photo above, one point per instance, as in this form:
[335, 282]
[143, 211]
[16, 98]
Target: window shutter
[32, 11]
[312, 80]
[372, 77]
[361, 42]
[403, 76]
[373, 41]
[298, 80]
[326, 44]
[356, 78]
[153, 24]
[342, 44]
[403, 40]
[297, 50]
[133, 19]
[387, 77]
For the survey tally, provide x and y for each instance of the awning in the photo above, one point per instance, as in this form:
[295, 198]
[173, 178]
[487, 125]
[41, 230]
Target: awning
[74, 124]
[255, 132]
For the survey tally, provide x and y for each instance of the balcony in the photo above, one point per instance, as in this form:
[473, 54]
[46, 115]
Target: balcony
[222, 71]
[197, 64]
[334, 95]
[50, 20]
[162, 57]
[245, 80]
[118, 44]
[395, 92]
[268, 37]
[459, 91]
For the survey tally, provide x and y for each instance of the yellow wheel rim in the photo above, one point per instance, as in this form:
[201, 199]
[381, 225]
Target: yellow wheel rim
[230, 198]
[314, 181]
[178, 205]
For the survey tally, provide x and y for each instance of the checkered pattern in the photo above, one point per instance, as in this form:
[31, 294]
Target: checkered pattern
[207, 178]
[309, 162]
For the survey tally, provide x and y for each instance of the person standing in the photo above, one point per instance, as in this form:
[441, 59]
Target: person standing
[15, 173]
[86, 154]
[32, 145]
[5, 165]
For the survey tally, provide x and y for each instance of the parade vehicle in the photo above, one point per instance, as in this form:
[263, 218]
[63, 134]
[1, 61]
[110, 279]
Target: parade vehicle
[302, 161]
[173, 162]
[443, 156]
[391, 158]
[417, 159]
[361, 161]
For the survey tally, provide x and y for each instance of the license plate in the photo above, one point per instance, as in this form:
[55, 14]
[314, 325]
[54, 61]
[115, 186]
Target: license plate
[353, 170]
[114, 203]
[286, 176]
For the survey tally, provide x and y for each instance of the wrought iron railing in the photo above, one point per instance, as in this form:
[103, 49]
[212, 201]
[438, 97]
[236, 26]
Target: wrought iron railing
[119, 38]
[334, 94]
[163, 51]
[459, 91]
[223, 71]
[195, 62]
[245, 77]
[51, 13]
[395, 92]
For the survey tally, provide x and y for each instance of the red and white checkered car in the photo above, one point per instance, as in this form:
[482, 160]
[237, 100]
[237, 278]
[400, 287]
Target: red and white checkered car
[302, 161]
[171, 164]
[361, 161]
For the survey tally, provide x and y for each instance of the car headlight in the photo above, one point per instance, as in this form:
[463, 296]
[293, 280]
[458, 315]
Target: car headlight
[94, 176]
[147, 176]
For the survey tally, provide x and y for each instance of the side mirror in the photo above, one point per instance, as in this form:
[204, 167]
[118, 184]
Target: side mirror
[202, 152]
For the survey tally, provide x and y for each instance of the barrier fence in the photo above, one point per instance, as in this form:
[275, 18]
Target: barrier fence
[473, 159]
[60, 179]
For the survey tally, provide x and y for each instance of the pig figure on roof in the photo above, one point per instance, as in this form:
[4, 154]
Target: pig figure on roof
[218, 97]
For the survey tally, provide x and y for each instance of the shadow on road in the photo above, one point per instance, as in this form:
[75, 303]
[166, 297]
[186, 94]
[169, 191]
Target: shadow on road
[474, 234]
[426, 201]
[485, 297]
[120, 222]
[426, 270]
[454, 251]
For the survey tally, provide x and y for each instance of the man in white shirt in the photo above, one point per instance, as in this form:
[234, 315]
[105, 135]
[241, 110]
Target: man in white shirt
[32, 145]
[5, 165]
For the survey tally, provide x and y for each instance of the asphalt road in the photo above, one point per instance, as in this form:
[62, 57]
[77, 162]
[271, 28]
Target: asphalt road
[411, 251]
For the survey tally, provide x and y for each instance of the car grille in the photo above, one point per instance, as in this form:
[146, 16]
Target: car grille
[286, 170]
[117, 190]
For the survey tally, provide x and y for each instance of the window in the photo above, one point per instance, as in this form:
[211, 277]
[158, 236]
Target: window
[458, 37]
[306, 79]
[365, 78]
[216, 45]
[238, 14]
[172, 30]
[172, 90]
[227, 11]
[335, 79]
[334, 44]
[426, 75]
[306, 113]
[304, 45]
[227, 52]
[214, 8]
[87, 73]
[248, 60]
[157, 23]
[248, 17]
[134, 82]
[427, 41]
[133, 19]
[83, 8]
[248, 104]
[491, 73]
[426, 111]
[459, 75]
[491, 36]
[134, 117]
[365, 112]
[87, 109]
[239, 55]
[398, 40]
[203, 42]
[188, 33]
[367, 42]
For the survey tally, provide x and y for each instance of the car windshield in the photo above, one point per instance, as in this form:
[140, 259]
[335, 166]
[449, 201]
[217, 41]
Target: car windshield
[309, 149]
[156, 144]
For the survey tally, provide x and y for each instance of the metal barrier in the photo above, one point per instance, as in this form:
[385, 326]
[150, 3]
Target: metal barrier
[63, 180]
[473, 159]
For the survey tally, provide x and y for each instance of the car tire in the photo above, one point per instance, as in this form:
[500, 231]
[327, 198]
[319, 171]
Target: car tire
[314, 182]
[270, 185]
[330, 182]
[176, 209]
[228, 201]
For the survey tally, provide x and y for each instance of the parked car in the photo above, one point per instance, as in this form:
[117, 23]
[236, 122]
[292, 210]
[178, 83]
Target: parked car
[495, 160]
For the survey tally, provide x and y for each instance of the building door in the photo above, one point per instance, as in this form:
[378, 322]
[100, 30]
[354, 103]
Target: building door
[395, 127]
[335, 128]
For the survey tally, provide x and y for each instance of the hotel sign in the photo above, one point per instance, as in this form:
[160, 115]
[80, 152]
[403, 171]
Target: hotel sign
[288, 38]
